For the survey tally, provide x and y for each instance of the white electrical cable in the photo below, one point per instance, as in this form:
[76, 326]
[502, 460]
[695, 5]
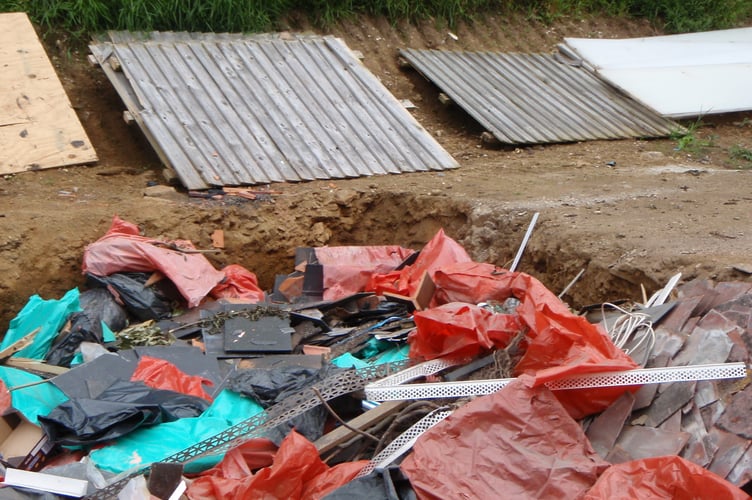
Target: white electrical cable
[631, 331]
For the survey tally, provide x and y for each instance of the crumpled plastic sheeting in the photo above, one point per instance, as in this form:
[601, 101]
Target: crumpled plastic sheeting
[518, 442]
[460, 330]
[161, 374]
[153, 444]
[668, 478]
[296, 473]
[238, 465]
[123, 249]
[49, 315]
[559, 343]
[120, 409]
[238, 283]
[439, 252]
[348, 269]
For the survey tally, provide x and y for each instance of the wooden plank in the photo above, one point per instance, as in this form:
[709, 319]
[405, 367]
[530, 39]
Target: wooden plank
[38, 127]
[341, 434]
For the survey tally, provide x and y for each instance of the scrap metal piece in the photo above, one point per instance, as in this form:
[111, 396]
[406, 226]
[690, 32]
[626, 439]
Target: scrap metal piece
[404, 441]
[382, 392]
[251, 109]
[535, 98]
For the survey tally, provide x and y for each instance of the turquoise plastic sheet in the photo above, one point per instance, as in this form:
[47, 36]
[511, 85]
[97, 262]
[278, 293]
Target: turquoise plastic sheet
[376, 352]
[49, 315]
[33, 400]
[153, 444]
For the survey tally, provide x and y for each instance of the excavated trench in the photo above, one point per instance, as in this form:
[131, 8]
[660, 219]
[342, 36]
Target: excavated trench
[262, 236]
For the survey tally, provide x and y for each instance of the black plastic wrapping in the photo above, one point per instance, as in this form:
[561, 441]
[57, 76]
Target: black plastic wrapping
[269, 387]
[386, 484]
[144, 303]
[120, 409]
[98, 306]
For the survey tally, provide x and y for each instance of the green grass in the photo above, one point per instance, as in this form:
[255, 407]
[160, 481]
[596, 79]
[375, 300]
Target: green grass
[738, 152]
[84, 18]
[690, 140]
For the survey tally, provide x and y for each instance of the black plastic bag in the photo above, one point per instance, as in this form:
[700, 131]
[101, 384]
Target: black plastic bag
[120, 409]
[145, 303]
[274, 385]
[386, 484]
[86, 326]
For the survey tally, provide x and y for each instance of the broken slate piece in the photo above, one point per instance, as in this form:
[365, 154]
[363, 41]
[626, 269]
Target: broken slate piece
[707, 393]
[737, 418]
[607, 426]
[669, 402]
[741, 474]
[645, 442]
[267, 334]
[699, 449]
[731, 448]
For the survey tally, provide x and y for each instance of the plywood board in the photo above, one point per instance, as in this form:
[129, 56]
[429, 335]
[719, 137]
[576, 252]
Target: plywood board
[38, 127]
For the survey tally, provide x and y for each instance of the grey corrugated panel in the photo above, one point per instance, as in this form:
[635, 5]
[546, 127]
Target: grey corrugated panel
[534, 98]
[227, 109]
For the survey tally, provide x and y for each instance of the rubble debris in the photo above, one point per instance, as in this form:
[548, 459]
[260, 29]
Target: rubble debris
[490, 341]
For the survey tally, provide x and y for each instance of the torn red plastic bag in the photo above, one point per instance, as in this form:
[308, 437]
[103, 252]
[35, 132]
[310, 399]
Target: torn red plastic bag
[348, 269]
[237, 465]
[160, 374]
[439, 252]
[460, 330]
[296, 473]
[122, 249]
[560, 344]
[238, 283]
[669, 478]
[518, 442]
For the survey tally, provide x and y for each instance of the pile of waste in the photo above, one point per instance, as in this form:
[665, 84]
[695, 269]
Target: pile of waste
[369, 372]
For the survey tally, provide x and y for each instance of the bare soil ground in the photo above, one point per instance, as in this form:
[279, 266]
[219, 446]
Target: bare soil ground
[630, 212]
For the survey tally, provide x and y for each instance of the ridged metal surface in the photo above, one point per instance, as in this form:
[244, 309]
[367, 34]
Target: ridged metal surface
[234, 110]
[536, 98]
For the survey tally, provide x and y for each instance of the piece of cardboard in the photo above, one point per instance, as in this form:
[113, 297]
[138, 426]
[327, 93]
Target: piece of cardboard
[23, 444]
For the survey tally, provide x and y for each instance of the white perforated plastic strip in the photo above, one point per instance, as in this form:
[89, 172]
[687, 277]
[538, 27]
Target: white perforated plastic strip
[404, 441]
[422, 370]
[610, 379]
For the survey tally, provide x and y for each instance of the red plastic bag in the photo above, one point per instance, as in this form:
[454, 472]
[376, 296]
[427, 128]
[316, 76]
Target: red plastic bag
[296, 472]
[460, 331]
[518, 442]
[440, 251]
[160, 374]
[348, 269]
[122, 249]
[559, 343]
[238, 283]
[669, 478]
[237, 465]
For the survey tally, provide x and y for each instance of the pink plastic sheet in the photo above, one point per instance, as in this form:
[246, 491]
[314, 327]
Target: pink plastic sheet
[296, 473]
[460, 330]
[160, 374]
[439, 252]
[239, 283]
[348, 269]
[122, 249]
[559, 343]
[516, 443]
[662, 478]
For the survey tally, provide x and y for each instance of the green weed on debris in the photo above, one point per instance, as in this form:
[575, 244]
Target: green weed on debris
[84, 18]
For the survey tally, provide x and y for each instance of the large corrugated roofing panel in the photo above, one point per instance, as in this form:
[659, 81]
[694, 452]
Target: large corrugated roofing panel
[677, 75]
[231, 109]
[536, 98]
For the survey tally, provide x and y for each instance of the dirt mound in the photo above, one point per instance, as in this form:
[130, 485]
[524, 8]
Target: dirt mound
[630, 212]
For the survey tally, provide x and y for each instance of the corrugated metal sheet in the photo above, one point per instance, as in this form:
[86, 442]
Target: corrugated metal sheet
[232, 110]
[535, 98]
